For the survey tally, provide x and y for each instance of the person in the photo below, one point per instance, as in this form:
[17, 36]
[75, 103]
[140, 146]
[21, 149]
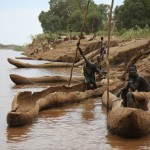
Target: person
[98, 62]
[137, 91]
[89, 70]
[102, 48]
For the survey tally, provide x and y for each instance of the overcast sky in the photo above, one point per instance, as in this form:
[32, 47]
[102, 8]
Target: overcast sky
[19, 19]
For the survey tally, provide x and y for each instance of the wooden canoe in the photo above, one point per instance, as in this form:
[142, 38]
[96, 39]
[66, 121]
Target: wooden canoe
[17, 79]
[124, 121]
[20, 64]
[26, 58]
[26, 105]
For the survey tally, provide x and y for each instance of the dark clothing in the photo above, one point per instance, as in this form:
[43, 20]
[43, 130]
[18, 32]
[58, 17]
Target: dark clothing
[102, 49]
[139, 83]
[89, 72]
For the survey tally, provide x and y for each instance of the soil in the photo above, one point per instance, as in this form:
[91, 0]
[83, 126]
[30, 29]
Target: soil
[120, 53]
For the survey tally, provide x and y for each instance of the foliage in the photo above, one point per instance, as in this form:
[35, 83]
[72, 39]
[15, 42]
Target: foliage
[129, 19]
[75, 20]
[66, 14]
[14, 47]
[94, 22]
[136, 33]
[132, 13]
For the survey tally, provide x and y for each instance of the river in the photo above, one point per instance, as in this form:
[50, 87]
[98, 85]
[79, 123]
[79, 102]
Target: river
[74, 127]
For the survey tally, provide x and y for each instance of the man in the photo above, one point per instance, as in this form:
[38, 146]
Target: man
[102, 48]
[89, 70]
[98, 62]
[137, 92]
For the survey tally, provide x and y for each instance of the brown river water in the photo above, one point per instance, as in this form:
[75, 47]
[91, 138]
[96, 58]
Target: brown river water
[79, 126]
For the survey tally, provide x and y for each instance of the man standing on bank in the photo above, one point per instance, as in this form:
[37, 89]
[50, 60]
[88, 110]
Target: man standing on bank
[102, 48]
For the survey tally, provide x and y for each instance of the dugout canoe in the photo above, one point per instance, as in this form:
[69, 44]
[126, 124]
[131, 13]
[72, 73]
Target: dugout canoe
[26, 58]
[126, 122]
[17, 79]
[20, 64]
[27, 105]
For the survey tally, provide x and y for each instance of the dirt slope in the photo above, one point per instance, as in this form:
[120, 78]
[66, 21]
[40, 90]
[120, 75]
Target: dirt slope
[120, 53]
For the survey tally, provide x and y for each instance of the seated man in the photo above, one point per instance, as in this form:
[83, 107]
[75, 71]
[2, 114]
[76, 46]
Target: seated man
[137, 92]
[89, 70]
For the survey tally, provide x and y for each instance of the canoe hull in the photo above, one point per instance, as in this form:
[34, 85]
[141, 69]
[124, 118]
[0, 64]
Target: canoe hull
[19, 80]
[27, 105]
[20, 64]
[126, 122]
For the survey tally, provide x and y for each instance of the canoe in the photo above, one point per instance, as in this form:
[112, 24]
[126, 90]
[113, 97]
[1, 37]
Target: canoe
[26, 58]
[124, 121]
[27, 105]
[20, 64]
[17, 79]
[20, 80]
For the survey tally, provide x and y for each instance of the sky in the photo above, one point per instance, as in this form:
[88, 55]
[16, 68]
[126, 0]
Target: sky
[19, 19]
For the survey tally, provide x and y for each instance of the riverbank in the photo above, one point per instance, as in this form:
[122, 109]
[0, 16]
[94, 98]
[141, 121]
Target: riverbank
[121, 53]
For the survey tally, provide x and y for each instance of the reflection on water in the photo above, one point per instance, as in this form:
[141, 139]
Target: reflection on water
[130, 144]
[77, 126]
[88, 110]
[17, 134]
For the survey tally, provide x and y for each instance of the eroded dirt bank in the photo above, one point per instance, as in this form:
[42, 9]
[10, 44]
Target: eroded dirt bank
[121, 53]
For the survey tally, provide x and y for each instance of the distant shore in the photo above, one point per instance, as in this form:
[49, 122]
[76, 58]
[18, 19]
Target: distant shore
[12, 46]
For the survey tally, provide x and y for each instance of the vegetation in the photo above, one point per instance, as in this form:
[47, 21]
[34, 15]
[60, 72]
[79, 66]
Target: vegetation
[14, 47]
[136, 33]
[68, 15]
[132, 13]
[130, 20]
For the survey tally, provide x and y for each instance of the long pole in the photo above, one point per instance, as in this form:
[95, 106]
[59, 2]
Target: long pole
[107, 58]
[79, 41]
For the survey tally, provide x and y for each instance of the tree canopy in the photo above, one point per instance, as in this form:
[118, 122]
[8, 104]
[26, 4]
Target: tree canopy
[132, 13]
[64, 14]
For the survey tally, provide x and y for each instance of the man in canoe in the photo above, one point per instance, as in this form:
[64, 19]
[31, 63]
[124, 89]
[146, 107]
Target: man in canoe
[89, 70]
[137, 92]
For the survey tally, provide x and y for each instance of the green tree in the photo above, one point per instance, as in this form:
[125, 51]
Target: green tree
[94, 22]
[66, 13]
[50, 23]
[75, 20]
[104, 11]
[132, 13]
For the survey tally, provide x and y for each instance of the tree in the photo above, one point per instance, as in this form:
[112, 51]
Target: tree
[66, 13]
[50, 23]
[94, 22]
[132, 13]
[75, 20]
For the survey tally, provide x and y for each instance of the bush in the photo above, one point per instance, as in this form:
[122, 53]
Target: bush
[136, 32]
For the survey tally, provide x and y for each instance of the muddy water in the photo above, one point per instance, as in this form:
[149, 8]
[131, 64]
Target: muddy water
[75, 127]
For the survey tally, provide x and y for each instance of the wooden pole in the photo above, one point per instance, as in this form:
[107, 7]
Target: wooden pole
[107, 56]
[79, 41]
